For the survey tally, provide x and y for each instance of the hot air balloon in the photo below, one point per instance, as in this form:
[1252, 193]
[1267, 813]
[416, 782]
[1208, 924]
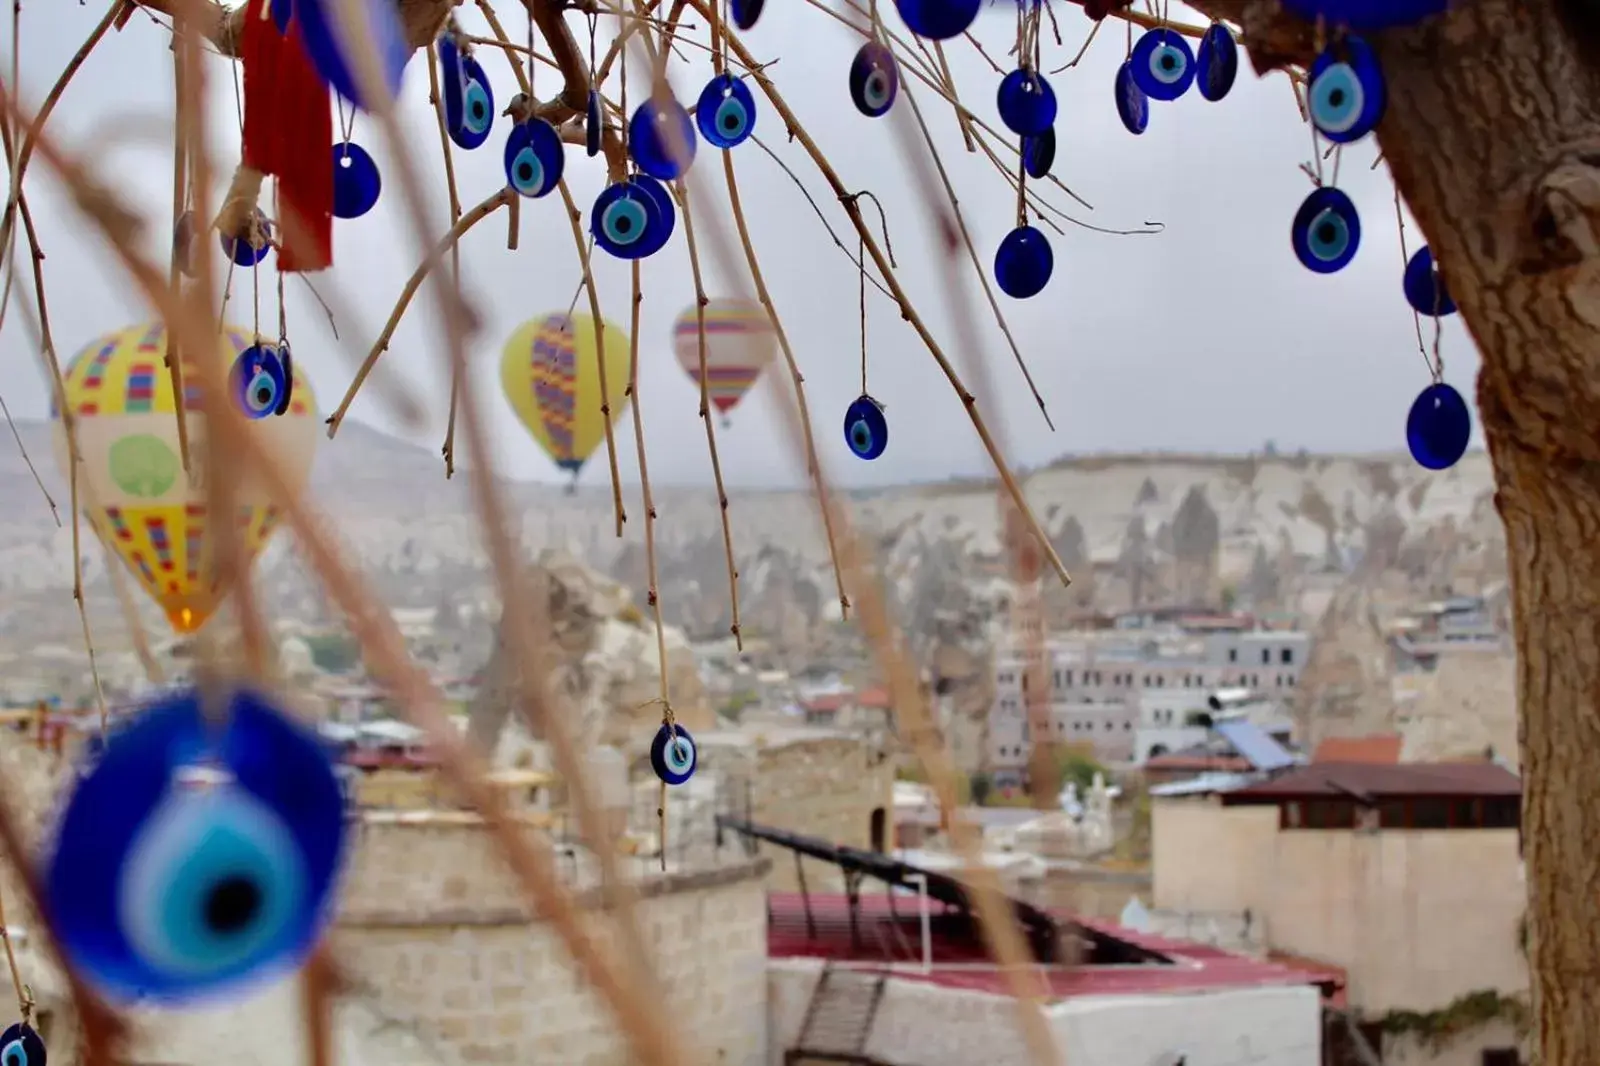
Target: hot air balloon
[550, 371]
[134, 490]
[739, 344]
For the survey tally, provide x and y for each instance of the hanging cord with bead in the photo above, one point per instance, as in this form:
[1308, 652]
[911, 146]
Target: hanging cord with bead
[861, 252]
[1435, 363]
[24, 993]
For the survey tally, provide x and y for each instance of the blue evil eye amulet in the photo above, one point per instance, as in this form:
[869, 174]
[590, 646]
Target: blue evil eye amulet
[1326, 231]
[1133, 106]
[21, 1046]
[1161, 64]
[633, 219]
[746, 12]
[262, 382]
[874, 79]
[334, 56]
[1438, 427]
[938, 20]
[673, 755]
[534, 158]
[1217, 64]
[725, 112]
[1345, 93]
[866, 430]
[1365, 15]
[197, 855]
[356, 185]
[241, 250]
[1023, 263]
[468, 96]
[1026, 103]
[1039, 153]
[661, 139]
[1424, 286]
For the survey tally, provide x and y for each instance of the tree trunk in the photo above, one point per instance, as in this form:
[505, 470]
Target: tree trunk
[1493, 136]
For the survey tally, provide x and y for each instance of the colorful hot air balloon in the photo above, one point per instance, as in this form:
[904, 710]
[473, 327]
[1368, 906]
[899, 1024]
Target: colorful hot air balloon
[550, 371]
[739, 344]
[135, 492]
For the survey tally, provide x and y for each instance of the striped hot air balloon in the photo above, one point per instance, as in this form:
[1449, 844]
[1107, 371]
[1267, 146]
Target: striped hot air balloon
[550, 371]
[739, 343]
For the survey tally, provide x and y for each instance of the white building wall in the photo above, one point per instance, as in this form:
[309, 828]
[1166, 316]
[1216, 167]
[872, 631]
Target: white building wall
[926, 1025]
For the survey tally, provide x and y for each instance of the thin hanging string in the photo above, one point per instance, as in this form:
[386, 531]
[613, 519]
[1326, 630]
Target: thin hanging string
[861, 258]
[1435, 364]
[283, 314]
[1022, 182]
[347, 121]
[531, 97]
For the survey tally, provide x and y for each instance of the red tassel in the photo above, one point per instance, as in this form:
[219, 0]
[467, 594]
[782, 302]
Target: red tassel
[288, 132]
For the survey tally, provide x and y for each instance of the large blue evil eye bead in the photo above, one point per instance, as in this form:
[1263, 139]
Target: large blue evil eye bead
[1133, 106]
[1217, 65]
[938, 20]
[623, 220]
[1023, 263]
[1345, 94]
[666, 213]
[377, 27]
[1438, 427]
[470, 126]
[534, 158]
[197, 854]
[21, 1046]
[242, 250]
[673, 755]
[1162, 64]
[874, 79]
[1424, 288]
[725, 112]
[746, 12]
[1365, 14]
[1026, 102]
[258, 383]
[866, 431]
[356, 185]
[1326, 231]
[661, 139]
[1039, 153]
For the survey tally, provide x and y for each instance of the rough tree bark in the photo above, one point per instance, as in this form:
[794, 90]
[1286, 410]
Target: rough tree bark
[1493, 136]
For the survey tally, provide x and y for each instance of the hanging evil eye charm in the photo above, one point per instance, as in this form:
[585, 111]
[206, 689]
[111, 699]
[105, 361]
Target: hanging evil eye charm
[1326, 231]
[1365, 14]
[1346, 94]
[1424, 288]
[534, 160]
[377, 27]
[258, 382]
[470, 121]
[866, 431]
[938, 20]
[286, 359]
[1133, 106]
[1023, 263]
[673, 755]
[661, 139]
[593, 124]
[198, 854]
[626, 221]
[725, 113]
[21, 1046]
[1162, 64]
[243, 250]
[183, 254]
[746, 12]
[356, 185]
[666, 212]
[452, 84]
[874, 79]
[1026, 102]
[1039, 153]
[1217, 65]
[1438, 427]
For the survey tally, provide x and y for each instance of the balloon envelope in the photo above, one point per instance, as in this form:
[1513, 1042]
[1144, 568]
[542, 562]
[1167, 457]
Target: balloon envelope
[739, 344]
[132, 484]
[550, 371]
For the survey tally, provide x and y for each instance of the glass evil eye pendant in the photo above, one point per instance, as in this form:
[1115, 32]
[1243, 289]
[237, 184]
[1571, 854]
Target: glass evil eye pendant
[1326, 231]
[628, 219]
[661, 139]
[1438, 427]
[725, 113]
[1346, 95]
[261, 383]
[243, 250]
[197, 855]
[593, 124]
[1023, 263]
[468, 96]
[377, 27]
[1133, 106]
[534, 160]
[866, 430]
[1424, 288]
[1026, 103]
[1217, 64]
[746, 12]
[673, 755]
[874, 79]
[1162, 64]
[1039, 153]
[1365, 14]
[356, 185]
[938, 20]
[183, 253]
[21, 1046]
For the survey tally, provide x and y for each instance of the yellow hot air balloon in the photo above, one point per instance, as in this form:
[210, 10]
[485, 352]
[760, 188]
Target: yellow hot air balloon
[134, 488]
[739, 344]
[550, 371]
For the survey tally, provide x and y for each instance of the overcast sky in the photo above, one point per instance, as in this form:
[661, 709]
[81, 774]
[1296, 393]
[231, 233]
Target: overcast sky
[1206, 337]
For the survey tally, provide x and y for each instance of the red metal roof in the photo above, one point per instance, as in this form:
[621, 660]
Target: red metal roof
[960, 960]
[1380, 748]
[1376, 781]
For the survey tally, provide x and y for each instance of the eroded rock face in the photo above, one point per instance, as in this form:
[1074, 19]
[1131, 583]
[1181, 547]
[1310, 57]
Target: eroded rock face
[598, 651]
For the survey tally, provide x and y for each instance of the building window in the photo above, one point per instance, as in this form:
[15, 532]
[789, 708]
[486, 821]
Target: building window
[1430, 814]
[1501, 1056]
[1502, 814]
[1266, 656]
[1286, 656]
[1233, 655]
